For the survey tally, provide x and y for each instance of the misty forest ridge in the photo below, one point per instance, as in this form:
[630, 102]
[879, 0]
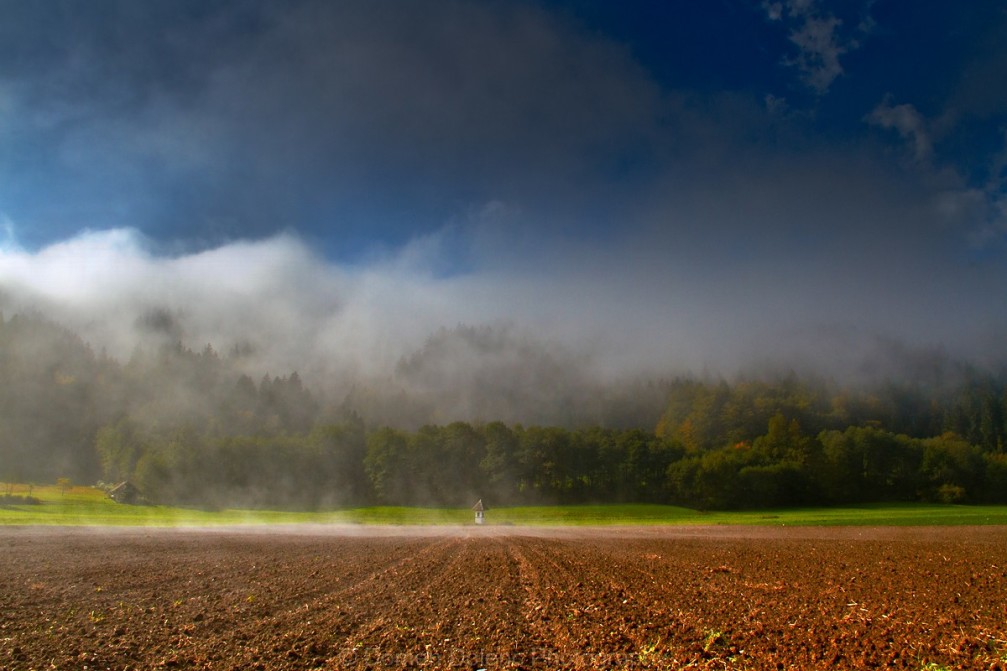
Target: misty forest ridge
[191, 427]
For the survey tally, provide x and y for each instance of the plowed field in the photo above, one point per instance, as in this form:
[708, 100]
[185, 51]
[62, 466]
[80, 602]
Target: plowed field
[495, 598]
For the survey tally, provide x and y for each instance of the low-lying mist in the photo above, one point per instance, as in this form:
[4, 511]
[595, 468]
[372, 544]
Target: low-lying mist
[401, 341]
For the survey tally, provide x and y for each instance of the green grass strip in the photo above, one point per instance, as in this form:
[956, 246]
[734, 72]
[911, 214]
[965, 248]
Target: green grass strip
[86, 506]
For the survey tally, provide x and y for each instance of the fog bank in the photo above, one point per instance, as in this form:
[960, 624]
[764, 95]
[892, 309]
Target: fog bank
[518, 342]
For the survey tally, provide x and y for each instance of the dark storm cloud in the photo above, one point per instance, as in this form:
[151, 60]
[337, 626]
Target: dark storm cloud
[219, 119]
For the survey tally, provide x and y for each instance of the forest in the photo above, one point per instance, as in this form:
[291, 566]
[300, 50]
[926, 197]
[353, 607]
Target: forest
[193, 427]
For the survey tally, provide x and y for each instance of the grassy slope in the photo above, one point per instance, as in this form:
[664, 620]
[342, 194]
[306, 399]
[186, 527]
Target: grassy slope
[88, 506]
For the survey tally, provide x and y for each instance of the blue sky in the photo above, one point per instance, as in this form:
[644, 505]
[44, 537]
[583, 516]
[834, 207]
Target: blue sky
[715, 174]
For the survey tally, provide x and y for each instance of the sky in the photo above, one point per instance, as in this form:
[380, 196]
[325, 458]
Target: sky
[647, 186]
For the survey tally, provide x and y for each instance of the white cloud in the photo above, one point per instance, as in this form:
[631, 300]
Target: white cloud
[992, 233]
[820, 50]
[819, 39]
[979, 211]
[774, 10]
[776, 106]
[908, 123]
[9, 243]
[296, 310]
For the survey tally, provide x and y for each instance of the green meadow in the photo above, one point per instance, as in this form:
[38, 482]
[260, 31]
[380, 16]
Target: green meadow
[87, 506]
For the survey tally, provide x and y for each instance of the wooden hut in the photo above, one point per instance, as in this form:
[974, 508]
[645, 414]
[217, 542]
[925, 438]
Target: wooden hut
[124, 492]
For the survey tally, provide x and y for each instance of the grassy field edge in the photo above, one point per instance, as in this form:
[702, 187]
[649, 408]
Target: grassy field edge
[86, 506]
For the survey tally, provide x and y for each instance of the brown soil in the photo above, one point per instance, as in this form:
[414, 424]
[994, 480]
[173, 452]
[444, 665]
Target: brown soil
[320, 598]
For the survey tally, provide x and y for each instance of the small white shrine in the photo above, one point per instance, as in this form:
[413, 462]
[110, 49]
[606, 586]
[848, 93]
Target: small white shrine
[479, 511]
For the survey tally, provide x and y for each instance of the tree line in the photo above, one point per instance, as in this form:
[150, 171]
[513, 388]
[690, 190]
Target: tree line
[455, 464]
[192, 427]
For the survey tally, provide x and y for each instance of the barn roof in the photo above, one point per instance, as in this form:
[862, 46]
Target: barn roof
[124, 492]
